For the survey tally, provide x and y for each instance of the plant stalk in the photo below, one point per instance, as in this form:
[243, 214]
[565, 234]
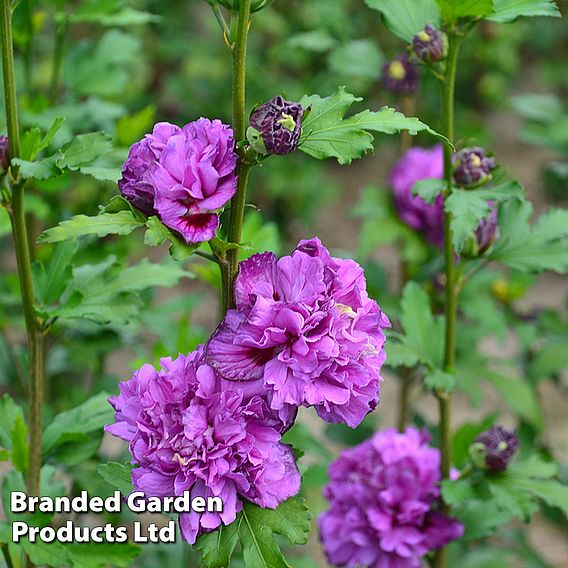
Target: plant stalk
[451, 292]
[239, 51]
[23, 259]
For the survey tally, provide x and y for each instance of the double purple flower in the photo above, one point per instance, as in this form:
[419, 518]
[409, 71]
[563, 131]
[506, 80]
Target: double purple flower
[190, 430]
[381, 496]
[183, 175]
[306, 328]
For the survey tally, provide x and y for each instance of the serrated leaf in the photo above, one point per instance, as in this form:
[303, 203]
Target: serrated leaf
[453, 10]
[84, 149]
[469, 207]
[545, 247]
[326, 133]
[41, 169]
[509, 10]
[255, 528]
[73, 425]
[458, 491]
[34, 141]
[118, 475]
[429, 189]
[439, 380]
[54, 278]
[102, 173]
[157, 233]
[121, 223]
[481, 518]
[405, 18]
[46, 553]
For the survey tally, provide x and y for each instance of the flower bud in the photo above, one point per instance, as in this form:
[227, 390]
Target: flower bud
[473, 166]
[400, 75]
[484, 235]
[4, 154]
[429, 44]
[275, 127]
[494, 449]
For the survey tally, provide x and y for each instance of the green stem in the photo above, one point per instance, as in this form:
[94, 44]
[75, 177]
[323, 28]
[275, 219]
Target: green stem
[23, 259]
[451, 295]
[239, 51]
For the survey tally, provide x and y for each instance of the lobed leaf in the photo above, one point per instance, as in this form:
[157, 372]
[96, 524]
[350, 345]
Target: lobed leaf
[121, 223]
[405, 18]
[326, 133]
[509, 10]
[118, 475]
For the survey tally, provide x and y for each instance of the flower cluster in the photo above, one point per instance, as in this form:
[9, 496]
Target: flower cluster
[183, 175]
[305, 326]
[190, 430]
[428, 218]
[382, 494]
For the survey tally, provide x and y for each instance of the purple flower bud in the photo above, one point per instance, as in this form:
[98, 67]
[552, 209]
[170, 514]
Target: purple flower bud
[429, 44]
[400, 75]
[487, 230]
[473, 166]
[4, 154]
[494, 448]
[275, 127]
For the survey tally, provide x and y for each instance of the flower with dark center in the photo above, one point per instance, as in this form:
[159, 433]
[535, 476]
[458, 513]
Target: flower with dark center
[276, 126]
[400, 75]
[473, 166]
[429, 44]
[494, 448]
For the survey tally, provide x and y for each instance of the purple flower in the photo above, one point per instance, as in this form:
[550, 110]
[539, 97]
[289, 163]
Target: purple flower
[183, 175]
[418, 164]
[381, 495]
[400, 75]
[275, 127]
[494, 448]
[429, 44]
[190, 430]
[473, 166]
[305, 326]
[487, 230]
[4, 154]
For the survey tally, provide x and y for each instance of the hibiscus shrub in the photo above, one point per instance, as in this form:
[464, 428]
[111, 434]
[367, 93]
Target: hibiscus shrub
[227, 417]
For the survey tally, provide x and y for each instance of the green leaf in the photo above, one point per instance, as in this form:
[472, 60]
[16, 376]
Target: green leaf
[98, 555]
[255, 528]
[41, 169]
[326, 133]
[84, 149]
[405, 18]
[78, 423]
[121, 223]
[46, 553]
[545, 247]
[453, 10]
[130, 129]
[33, 141]
[118, 475]
[54, 279]
[481, 519]
[429, 189]
[458, 491]
[469, 207]
[10, 412]
[423, 333]
[20, 446]
[439, 380]
[519, 396]
[358, 58]
[509, 10]
[157, 233]
[102, 173]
